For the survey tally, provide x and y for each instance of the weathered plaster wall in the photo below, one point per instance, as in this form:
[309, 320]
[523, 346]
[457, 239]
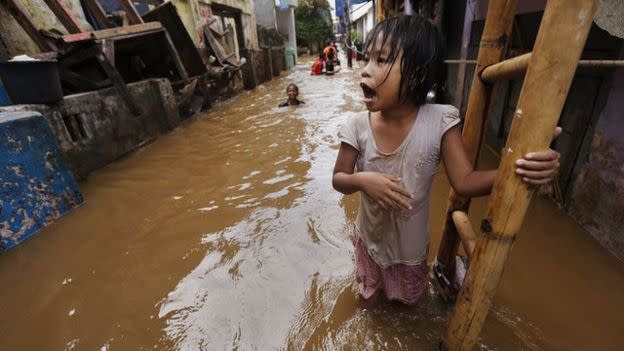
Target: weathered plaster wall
[598, 198]
[265, 13]
[95, 128]
[16, 39]
[13, 36]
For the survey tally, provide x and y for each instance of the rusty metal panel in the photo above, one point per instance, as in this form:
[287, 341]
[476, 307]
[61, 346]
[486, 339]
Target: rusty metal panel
[36, 188]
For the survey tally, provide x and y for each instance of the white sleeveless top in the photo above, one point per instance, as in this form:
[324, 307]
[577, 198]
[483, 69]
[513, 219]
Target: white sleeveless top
[400, 237]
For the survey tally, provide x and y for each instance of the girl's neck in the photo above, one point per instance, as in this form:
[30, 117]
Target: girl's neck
[294, 101]
[399, 113]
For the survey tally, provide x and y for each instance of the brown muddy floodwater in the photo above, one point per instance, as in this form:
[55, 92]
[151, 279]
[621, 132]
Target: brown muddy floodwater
[226, 235]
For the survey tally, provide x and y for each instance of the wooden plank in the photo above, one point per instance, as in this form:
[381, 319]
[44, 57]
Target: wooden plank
[492, 48]
[64, 15]
[78, 81]
[98, 12]
[26, 22]
[560, 41]
[78, 55]
[131, 12]
[176, 57]
[112, 32]
[106, 46]
[168, 16]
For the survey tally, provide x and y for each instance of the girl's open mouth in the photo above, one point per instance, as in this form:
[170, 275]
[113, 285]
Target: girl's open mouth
[369, 93]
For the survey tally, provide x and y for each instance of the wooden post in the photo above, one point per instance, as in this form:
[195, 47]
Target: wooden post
[106, 58]
[64, 15]
[512, 68]
[26, 22]
[99, 13]
[379, 11]
[496, 32]
[131, 12]
[560, 41]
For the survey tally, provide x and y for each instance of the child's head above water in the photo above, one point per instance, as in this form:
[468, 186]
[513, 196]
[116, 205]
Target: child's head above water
[292, 90]
[404, 60]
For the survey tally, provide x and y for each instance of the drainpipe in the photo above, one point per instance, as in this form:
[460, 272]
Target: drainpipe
[348, 20]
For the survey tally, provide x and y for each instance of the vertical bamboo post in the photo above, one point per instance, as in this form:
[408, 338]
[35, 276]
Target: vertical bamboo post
[556, 53]
[379, 11]
[496, 32]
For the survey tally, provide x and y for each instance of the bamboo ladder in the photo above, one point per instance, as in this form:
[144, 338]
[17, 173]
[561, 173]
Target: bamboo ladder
[549, 72]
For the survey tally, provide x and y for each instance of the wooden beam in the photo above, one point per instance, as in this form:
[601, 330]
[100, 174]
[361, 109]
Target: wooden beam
[131, 12]
[64, 15]
[492, 48]
[99, 13]
[112, 32]
[176, 56]
[26, 22]
[107, 50]
[560, 41]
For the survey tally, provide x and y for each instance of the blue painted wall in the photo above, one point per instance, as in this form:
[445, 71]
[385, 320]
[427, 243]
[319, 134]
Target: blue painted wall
[36, 188]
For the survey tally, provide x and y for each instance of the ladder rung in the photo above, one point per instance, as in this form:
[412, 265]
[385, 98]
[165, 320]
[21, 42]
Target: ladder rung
[465, 230]
[508, 69]
[516, 66]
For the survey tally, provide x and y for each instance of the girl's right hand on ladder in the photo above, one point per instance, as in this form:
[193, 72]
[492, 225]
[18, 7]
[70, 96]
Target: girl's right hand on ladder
[385, 190]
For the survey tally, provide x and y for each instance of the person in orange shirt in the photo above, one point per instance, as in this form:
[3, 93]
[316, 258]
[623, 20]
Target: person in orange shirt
[317, 66]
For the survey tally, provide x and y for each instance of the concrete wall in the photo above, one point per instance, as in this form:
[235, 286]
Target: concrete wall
[598, 196]
[95, 128]
[286, 25]
[265, 13]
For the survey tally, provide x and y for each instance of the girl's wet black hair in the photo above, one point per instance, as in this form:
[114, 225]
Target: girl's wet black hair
[421, 46]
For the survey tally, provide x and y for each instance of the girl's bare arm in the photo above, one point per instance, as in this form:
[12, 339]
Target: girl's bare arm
[535, 168]
[343, 178]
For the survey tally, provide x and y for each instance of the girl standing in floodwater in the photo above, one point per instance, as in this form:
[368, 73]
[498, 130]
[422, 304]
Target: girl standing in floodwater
[391, 153]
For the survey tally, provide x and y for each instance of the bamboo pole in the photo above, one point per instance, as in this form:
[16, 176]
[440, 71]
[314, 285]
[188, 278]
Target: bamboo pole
[379, 11]
[560, 41]
[582, 63]
[515, 67]
[466, 232]
[509, 69]
[496, 32]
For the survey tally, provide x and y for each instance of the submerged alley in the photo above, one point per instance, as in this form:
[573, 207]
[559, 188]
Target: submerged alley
[226, 233]
[161, 188]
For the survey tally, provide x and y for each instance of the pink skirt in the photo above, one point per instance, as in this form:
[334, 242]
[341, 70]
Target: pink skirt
[400, 282]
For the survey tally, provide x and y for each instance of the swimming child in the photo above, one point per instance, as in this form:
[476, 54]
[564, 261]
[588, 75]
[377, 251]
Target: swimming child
[293, 92]
[317, 66]
[391, 153]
